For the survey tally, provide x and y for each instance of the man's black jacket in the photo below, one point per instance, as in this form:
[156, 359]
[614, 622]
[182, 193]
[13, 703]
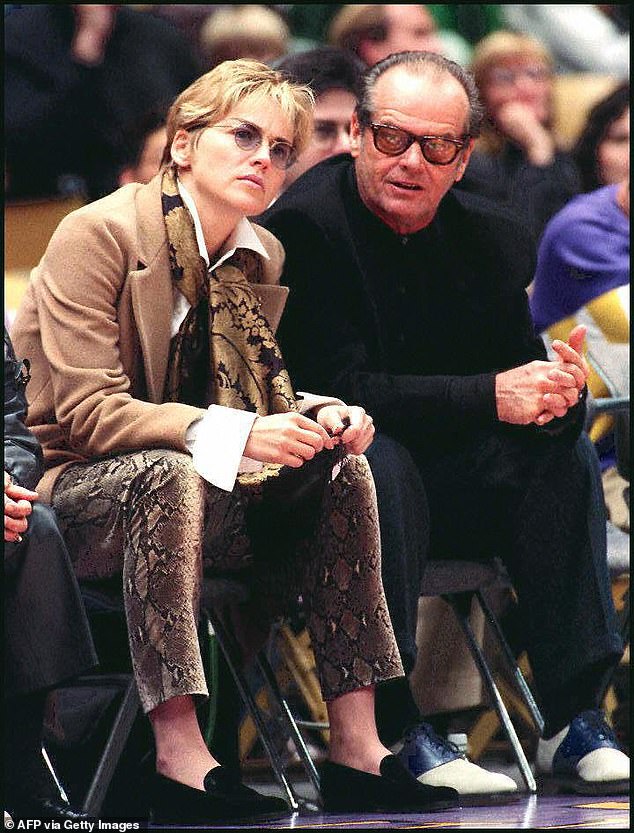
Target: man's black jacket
[412, 328]
[22, 452]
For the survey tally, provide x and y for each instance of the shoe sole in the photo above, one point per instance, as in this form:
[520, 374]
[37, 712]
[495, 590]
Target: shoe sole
[485, 799]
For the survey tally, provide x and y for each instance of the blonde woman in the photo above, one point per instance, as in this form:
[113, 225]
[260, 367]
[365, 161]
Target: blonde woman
[517, 158]
[164, 408]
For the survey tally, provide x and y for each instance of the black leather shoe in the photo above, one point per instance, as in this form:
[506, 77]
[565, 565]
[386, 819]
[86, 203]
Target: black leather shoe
[225, 798]
[348, 790]
[45, 809]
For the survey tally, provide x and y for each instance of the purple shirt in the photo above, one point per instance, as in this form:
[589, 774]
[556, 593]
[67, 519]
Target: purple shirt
[584, 252]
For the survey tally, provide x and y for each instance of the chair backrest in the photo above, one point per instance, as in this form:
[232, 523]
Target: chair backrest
[611, 360]
[574, 96]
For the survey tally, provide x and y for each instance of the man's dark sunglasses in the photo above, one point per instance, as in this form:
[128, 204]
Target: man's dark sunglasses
[393, 141]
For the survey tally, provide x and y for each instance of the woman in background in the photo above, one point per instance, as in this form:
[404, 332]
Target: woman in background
[517, 160]
[602, 151]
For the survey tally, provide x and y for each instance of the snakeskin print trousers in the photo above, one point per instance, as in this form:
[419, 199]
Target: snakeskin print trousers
[149, 516]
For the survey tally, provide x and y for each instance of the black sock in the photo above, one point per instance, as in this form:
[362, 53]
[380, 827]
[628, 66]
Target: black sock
[395, 710]
[583, 692]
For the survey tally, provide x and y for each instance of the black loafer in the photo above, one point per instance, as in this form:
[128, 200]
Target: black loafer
[348, 790]
[225, 798]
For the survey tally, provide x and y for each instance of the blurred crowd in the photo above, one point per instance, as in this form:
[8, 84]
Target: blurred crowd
[86, 84]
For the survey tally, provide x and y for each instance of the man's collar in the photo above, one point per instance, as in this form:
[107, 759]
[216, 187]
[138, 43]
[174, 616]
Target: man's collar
[242, 237]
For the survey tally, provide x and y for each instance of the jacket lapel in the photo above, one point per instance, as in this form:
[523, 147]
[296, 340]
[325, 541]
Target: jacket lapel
[152, 294]
[151, 288]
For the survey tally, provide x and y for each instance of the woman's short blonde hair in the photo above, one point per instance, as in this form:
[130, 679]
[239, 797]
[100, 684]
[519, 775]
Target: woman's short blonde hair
[212, 96]
[501, 46]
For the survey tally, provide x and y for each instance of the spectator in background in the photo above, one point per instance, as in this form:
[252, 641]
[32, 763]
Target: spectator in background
[334, 76]
[516, 160]
[243, 31]
[148, 144]
[581, 37]
[375, 31]
[76, 78]
[602, 151]
[583, 277]
[47, 640]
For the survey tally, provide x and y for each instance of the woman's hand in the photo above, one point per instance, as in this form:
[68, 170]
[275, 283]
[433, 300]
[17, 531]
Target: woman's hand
[358, 434]
[17, 506]
[519, 122]
[289, 438]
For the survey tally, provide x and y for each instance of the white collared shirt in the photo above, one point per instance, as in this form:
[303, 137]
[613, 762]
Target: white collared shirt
[216, 440]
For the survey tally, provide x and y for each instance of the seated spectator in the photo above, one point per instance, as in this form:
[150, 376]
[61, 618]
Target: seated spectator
[76, 76]
[375, 31]
[243, 31]
[46, 635]
[591, 236]
[423, 317]
[167, 418]
[602, 151]
[334, 76]
[583, 277]
[581, 37]
[148, 145]
[516, 160]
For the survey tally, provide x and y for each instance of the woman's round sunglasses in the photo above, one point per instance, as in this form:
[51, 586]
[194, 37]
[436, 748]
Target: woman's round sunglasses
[393, 141]
[249, 137]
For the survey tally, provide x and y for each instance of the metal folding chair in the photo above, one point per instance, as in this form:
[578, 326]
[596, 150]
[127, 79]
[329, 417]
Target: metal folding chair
[459, 583]
[221, 599]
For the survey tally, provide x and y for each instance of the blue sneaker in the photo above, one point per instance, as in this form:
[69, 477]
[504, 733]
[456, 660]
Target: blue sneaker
[437, 762]
[588, 759]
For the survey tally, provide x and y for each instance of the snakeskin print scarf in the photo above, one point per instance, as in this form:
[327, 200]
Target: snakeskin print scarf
[225, 351]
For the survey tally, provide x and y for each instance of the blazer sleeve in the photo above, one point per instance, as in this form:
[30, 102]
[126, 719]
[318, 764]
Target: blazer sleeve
[77, 289]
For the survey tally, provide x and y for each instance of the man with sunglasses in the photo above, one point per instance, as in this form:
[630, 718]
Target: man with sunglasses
[408, 296]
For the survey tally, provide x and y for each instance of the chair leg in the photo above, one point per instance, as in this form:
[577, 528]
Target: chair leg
[624, 628]
[298, 656]
[492, 688]
[232, 656]
[58, 783]
[292, 726]
[110, 758]
[511, 661]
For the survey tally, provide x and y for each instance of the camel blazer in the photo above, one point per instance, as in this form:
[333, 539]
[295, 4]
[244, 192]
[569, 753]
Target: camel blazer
[95, 324]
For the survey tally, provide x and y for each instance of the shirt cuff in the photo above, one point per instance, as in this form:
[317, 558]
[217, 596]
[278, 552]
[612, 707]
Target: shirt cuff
[216, 442]
[308, 401]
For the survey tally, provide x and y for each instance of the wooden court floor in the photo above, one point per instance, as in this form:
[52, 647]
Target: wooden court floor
[535, 812]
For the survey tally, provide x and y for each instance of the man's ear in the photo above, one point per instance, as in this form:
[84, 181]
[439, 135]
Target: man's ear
[355, 135]
[181, 148]
[464, 161]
